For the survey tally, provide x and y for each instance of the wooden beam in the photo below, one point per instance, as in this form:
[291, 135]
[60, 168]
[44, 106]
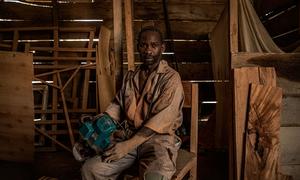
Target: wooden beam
[63, 49]
[70, 130]
[233, 26]
[57, 58]
[118, 27]
[87, 73]
[55, 83]
[129, 34]
[194, 126]
[54, 140]
[15, 40]
[105, 77]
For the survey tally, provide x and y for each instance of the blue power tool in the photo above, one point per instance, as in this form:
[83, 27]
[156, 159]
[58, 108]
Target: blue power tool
[97, 133]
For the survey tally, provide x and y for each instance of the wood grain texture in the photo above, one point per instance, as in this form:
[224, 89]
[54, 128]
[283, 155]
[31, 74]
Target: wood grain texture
[16, 107]
[243, 77]
[129, 33]
[104, 71]
[262, 134]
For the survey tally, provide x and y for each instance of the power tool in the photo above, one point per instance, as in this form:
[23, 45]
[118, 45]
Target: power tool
[96, 133]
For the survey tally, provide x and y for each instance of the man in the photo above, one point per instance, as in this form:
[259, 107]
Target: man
[150, 101]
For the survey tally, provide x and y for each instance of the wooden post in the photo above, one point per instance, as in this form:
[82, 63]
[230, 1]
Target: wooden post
[194, 123]
[85, 92]
[129, 34]
[233, 25]
[117, 10]
[15, 40]
[234, 169]
[70, 130]
[54, 91]
[105, 78]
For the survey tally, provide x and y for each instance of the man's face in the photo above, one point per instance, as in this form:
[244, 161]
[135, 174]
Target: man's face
[150, 48]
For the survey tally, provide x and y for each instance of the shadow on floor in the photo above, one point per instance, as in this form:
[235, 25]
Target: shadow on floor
[212, 165]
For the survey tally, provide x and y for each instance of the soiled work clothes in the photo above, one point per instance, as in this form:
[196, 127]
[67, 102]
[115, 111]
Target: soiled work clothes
[156, 105]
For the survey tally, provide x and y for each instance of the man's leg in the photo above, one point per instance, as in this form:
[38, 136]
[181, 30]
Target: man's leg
[157, 158]
[95, 169]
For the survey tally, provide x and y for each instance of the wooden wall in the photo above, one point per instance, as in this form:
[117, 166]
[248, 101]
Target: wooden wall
[59, 46]
[190, 23]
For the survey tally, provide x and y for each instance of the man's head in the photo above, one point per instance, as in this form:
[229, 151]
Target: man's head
[150, 45]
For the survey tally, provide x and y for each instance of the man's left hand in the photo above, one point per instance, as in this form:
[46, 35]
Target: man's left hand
[118, 151]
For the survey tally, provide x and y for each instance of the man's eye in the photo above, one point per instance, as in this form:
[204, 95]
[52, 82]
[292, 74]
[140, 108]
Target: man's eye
[143, 45]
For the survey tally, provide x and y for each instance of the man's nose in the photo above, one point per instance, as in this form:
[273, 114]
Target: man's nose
[148, 50]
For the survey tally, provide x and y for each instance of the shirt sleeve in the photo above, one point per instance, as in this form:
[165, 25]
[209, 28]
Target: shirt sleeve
[166, 112]
[116, 107]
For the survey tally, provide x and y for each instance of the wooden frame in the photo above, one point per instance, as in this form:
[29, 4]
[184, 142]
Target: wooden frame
[187, 160]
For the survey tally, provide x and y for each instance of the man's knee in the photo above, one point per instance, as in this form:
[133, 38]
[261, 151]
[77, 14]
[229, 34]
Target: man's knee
[96, 169]
[154, 176]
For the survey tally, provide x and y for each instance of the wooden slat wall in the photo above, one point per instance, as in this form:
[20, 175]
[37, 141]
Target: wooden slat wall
[16, 107]
[197, 17]
[190, 21]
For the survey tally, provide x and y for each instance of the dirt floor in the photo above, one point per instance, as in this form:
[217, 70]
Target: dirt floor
[61, 165]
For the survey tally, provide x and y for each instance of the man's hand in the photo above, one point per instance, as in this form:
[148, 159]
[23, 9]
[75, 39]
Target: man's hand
[118, 151]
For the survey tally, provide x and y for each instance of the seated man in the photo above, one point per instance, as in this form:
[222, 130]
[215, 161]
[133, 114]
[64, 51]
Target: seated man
[150, 102]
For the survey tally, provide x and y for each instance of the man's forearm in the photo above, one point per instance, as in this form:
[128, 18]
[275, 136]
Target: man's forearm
[141, 136]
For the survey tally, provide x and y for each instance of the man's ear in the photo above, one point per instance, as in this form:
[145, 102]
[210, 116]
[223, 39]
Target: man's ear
[163, 47]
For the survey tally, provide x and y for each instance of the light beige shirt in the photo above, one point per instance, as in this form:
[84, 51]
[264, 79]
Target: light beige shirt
[157, 106]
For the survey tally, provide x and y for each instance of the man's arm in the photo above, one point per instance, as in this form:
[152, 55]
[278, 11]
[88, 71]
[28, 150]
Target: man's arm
[122, 148]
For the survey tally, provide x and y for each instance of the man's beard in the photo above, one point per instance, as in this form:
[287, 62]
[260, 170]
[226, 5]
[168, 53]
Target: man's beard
[150, 60]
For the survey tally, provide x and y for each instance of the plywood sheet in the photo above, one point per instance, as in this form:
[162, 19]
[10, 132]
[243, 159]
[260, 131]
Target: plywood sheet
[16, 107]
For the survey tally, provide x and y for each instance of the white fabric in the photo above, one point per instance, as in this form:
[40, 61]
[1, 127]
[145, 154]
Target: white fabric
[252, 34]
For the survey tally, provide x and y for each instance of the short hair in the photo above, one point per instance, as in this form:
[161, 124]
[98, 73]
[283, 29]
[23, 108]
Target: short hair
[151, 29]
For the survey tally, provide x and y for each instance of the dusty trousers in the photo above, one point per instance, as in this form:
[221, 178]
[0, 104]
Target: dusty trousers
[157, 155]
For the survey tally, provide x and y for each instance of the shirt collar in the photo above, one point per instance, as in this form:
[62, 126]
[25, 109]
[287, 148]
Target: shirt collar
[162, 67]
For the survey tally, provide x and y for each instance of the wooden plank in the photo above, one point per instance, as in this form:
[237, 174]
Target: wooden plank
[194, 127]
[87, 73]
[183, 10]
[54, 140]
[233, 27]
[104, 71]
[59, 58]
[20, 11]
[192, 29]
[129, 33]
[293, 170]
[242, 78]
[55, 83]
[63, 49]
[50, 111]
[16, 107]
[118, 24]
[15, 40]
[290, 146]
[287, 67]
[70, 130]
[262, 133]
[178, 11]
[290, 111]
